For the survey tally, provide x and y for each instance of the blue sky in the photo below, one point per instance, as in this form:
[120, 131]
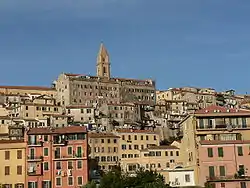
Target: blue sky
[176, 42]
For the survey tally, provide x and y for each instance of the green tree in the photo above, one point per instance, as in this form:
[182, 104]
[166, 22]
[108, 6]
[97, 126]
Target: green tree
[91, 184]
[142, 179]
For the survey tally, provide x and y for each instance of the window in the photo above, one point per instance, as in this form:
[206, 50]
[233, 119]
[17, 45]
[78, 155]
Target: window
[7, 155]
[177, 153]
[135, 137]
[46, 166]
[129, 137]
[146, 137]
[32, 185]
[45, 151]
[123, 146]
[210, 152]
[222, 185]
[70, 164]
[154, 137]
[45, 138]
[171, 153]
[102, 140]
[243, 185]
[58, 165]
[211, 171]
[222, 171]
[141, 137]
[240, 151]
[70, 151]
[19, 154]
[79, 164]
[19, 170]
[46, 184]
[123, 137]
[166, 153]
[79, 151]
[167, 164]
[70, 181]
[220, 152]
[187, 178]
[58, 181]
[115, 141]
[201, 123]
[79, 180]
[136, 147]
[7, 170]
[108, 140]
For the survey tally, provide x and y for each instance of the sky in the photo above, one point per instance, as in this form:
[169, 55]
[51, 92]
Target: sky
[175, 42]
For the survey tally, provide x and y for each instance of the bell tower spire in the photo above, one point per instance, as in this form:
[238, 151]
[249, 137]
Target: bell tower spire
[103, 63]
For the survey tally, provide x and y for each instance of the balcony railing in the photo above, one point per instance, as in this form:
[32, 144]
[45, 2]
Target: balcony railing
[34, 173]
[223, 126]
[75, 156]
[227, 178]
[35, 158]
[60, 143]
[35, 143]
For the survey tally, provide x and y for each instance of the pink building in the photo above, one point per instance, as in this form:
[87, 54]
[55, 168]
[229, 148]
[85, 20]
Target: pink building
[57, 157]
[225, 164]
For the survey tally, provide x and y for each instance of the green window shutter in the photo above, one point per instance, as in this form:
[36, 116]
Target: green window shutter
[201, 123]
[220, 152]
[240, 151]
[210, 152]
[211, 171]
[222, 171]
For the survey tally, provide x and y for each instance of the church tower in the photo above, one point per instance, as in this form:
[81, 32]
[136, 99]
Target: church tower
[103, 64]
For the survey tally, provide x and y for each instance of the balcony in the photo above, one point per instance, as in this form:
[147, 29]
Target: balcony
[227, 178]
[35, 143]
[220, 127]
[34, 173]
[67, 157]
[60, 142]
[34, 158]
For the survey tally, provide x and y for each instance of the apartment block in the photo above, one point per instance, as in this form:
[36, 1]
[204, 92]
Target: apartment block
[104, 149]
[131, 142]
[215, 145]
[57, 157]
[12, 161]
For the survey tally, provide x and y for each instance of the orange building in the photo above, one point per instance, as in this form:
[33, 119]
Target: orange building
[57, 157]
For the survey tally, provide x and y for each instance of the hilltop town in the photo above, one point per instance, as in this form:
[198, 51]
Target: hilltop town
[67, 134]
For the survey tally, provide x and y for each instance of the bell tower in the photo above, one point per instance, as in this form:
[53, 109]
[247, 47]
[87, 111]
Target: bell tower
[103, 63]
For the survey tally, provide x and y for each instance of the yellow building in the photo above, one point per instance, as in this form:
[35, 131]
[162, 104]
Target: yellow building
[104, 148]
[12, 162]
[131, 142]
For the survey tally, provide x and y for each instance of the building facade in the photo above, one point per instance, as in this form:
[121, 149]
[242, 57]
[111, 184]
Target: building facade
[12, 160]
[212, 139]
[57, 157]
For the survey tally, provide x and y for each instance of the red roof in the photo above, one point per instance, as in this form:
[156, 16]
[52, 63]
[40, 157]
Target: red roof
[134, 131]
[220, 142]
[102, 135]
[61, 130]
[28, 87]
[220, 109]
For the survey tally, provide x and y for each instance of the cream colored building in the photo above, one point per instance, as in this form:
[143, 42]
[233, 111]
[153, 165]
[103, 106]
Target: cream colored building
[78, 89]
[213, 123]
[81, 113]
[160, 157]
[104, 148]
[131, 142]
[12, 161]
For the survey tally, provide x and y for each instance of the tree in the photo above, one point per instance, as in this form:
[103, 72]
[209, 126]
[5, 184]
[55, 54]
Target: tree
[142, 179]
[91, 184]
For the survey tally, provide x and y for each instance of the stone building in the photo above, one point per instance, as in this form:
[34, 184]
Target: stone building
[79, 89]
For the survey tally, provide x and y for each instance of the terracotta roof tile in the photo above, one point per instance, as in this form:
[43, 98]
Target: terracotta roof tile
[163, 147]
[11, 141]
[61, 130]
[220, 109]
[219, 142]
[28, 87]
[102, 135]
[78, 107]
[134, 131]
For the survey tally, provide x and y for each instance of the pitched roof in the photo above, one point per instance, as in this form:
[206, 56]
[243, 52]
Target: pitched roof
[135, 131]
[220, 109]
[102, 135]
[28, 87]
[61, 130]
